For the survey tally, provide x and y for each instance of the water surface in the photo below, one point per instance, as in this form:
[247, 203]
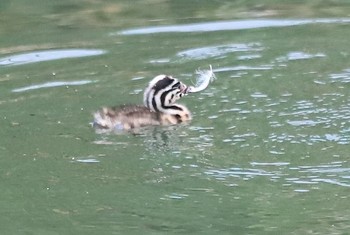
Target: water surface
[266, 152]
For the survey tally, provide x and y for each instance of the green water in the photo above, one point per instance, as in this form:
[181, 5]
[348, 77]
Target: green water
[266, 152]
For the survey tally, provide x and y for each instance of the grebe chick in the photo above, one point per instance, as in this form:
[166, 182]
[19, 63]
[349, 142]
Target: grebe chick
[159, 107]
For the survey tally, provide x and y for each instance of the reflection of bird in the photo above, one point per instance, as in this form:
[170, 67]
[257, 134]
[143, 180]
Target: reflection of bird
[159, 107]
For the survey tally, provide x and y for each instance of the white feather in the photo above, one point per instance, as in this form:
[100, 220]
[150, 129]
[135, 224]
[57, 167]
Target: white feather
[203, 79]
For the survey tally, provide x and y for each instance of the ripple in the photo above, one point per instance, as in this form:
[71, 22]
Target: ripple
[310, 139]
[160, 61]
[301, 190]
[343, 77]
[334, 173]
[242, 68]
[333, 137]
[332, 181]
[229, 25]
[240, 139]
[332, 168]
[174, 196]
[299, 55]
[237, 172]
[48, 55]
[249, 57]
[203, 141]
[53, 84]
[298, 178]
[277, 152]
[216, 51]
[88, 159]
[258, 95]
[269, 163]
[304, 123]
[219, 50]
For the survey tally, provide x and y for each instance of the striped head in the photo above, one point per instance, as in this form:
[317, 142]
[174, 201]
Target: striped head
[162, 93]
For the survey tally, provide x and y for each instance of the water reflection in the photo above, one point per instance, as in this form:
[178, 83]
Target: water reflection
[299, 178]
[48, 55]
[160, 141]
[299, 55]
[230, 25]
[255, 144]
[176, 196]
[218, 51]
[249, 57]
[246, 173]
[343, 77]
[86, 160]
[242, 68]
[53, 84]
